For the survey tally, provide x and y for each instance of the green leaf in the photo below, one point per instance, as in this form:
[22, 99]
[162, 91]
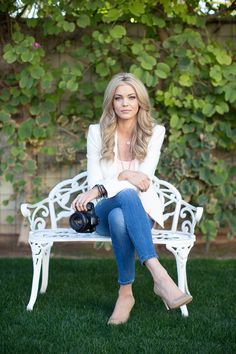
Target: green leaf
[80, 52]
[17, 37]
[147, 61]
[137, 71]
[68, 26]
[223, 58]
[220, 174]
[164, 67]
[37, 72]
[136, 8]
[43, 120]
[205, 175]
[185, 80]
[87, 88]
[98, 101]
[161, 74]
[102, 69]
[174, 121]
[185, 187]
[230, 93]
[112, 15]
[222, 108]
[15, 151]
[25, 129]
[149, 79]
[39, 132]
[202, 199]
[117, 31]
[49, 105]
[162, 70]
[37, 181]
[209, 228]
[48, 150]
[46, 81]
[10, 219]
[100, 86]
[9, 129]
[72, 85]
[30, 166]
[4, 116]
[208, 110]
[10, 56]
[5, 95]
[215, 73]
[9, 177]
[159, 22]
[137, 48]
[83, 21]
[26, 80]
[27, 55]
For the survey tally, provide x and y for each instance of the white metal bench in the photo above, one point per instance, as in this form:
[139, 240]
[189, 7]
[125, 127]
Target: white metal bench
[46, 218]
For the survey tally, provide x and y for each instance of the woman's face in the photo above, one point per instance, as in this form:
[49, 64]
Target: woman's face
[125, 102]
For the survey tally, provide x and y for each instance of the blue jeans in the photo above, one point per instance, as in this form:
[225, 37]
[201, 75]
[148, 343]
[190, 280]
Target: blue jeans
[125, 220]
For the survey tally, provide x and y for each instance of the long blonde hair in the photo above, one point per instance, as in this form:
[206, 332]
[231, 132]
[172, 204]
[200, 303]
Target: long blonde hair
[108, 120]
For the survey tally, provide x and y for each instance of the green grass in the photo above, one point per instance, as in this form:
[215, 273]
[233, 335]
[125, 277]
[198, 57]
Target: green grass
[71, 317]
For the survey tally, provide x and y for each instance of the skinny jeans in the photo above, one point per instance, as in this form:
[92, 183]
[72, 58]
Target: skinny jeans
[124, 219]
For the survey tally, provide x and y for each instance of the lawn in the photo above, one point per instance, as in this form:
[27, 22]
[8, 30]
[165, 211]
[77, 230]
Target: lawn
[71, 317]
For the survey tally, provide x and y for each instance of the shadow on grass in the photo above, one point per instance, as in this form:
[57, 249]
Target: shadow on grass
[71, 317]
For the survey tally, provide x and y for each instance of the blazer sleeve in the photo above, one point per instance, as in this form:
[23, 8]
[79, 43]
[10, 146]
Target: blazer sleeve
[95, 175]
[149, 165]
[93, 156]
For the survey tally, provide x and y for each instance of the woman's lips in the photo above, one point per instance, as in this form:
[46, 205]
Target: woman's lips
[126, 111]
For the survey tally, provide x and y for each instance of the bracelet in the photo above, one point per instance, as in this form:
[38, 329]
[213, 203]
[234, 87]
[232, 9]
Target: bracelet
[102, 192]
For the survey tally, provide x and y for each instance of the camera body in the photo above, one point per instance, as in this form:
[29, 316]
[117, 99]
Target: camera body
[84, 221]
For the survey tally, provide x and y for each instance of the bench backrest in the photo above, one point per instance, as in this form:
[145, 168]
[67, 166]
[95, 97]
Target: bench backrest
[62, 194]
[178, 215]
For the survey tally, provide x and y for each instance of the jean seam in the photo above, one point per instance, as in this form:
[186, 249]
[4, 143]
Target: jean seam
[126, 282]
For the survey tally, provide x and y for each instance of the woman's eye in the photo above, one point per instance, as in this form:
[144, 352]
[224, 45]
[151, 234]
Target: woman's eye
[132, 97]
[117, 98]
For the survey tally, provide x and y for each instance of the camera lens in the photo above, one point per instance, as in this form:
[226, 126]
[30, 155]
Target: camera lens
[78, 221]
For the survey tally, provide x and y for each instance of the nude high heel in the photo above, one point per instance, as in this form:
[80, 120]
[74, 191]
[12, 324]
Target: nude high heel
[175, 303]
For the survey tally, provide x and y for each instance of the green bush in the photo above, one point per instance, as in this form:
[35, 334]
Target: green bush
[190, 77]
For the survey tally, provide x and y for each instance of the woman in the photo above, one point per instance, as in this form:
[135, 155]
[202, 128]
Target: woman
[123, 152]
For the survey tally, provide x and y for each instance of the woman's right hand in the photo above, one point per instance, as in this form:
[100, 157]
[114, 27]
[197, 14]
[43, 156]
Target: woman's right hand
[81, 201]
[137, 178]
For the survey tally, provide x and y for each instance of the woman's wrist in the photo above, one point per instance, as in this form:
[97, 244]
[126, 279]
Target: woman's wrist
[125, 175]
[101, 190]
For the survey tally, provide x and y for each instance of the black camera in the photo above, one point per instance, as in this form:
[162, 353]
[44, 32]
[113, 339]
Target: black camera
[84, 221]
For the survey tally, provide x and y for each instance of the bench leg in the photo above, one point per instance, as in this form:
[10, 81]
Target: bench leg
[181, 255]
[45, 268]
[37, 253]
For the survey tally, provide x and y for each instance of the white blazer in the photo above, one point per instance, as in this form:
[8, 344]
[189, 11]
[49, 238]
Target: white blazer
[105, 172]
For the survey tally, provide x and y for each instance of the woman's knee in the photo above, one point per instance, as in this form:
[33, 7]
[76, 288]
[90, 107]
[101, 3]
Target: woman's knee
[116, 220]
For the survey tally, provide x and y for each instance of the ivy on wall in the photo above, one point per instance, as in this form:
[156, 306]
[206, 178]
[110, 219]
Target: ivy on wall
[190, 77]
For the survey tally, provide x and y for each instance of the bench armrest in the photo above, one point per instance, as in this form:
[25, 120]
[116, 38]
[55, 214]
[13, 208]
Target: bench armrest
[188, 217]
[37, 214]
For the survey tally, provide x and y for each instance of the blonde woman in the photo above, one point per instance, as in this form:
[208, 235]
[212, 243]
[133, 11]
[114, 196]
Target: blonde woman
[123, 151]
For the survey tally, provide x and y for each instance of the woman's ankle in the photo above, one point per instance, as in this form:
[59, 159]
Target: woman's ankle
[126, 290]
[157, 271]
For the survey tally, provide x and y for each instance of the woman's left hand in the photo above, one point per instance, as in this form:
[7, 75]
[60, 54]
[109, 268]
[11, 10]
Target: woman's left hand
[81, 201]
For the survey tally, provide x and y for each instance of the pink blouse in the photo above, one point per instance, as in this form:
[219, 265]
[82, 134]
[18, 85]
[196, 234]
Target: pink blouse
[122, 165]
